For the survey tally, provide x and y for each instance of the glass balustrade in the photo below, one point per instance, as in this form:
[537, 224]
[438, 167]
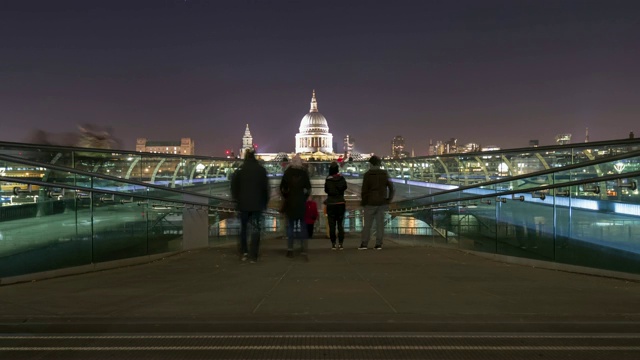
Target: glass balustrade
[55, 178]
[44, 228]
[581, 209]
[584, 216]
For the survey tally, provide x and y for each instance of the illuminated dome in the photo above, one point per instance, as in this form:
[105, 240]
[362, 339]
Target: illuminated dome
[314, 133]
[313, 122]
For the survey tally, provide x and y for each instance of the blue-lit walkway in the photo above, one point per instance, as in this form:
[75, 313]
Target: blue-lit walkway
[407, 288]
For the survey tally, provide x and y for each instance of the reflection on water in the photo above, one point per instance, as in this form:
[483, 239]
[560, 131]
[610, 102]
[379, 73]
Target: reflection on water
[353, 222]
[231, 226]
[410, 226]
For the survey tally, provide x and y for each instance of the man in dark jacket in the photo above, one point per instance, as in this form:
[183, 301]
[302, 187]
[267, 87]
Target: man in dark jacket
[295, 188]
[250, 189]
[335, 186]
[377, 192]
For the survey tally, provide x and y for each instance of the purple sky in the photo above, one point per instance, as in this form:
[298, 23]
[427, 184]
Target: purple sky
[492, 72]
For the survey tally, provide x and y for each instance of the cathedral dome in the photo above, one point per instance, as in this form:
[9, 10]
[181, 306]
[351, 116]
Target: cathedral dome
[313, 123]
[314, 133]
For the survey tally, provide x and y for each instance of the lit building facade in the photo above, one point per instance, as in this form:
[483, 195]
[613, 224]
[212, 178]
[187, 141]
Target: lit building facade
[349, 144]
[490, 148]
[563, 139]
[247, 142]
[185, 146]
[314, 135]
[449, 147]
[470, 147]
[397, 147]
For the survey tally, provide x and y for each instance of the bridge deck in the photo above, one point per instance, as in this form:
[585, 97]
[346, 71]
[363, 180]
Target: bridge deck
[401, 288]
[406, 301]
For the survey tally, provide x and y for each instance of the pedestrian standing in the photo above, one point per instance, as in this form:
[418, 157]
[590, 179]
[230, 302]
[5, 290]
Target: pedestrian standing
[377, 192]
[295, 188]
[335, 186]
[250, 189]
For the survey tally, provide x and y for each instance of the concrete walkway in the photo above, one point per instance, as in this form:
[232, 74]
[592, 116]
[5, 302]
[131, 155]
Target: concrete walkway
[400, 288]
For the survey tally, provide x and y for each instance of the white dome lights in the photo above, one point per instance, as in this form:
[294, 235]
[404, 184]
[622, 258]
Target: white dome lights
[314, 132]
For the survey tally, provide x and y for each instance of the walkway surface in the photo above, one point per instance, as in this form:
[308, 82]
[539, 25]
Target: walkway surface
[402, 289]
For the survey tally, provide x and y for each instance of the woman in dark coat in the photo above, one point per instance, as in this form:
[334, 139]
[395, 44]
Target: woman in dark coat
[334, 186]
[295, 188]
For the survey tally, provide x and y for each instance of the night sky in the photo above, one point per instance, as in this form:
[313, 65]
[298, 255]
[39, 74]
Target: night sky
[491, 72]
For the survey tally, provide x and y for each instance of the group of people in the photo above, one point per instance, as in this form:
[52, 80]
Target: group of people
[250, 189]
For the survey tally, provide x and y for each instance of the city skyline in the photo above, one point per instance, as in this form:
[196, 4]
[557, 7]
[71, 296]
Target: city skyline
[491, 72]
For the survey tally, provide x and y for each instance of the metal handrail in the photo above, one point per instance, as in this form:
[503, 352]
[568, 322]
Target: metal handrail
[111, 192]
[537, 173]
[101, 176]
[510, 192]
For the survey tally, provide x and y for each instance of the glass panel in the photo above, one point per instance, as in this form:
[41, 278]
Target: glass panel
[40, 233]
[523, 230]
[599, 232]
[476, 224]
[165, 225]
[57, 177]
[120, 227]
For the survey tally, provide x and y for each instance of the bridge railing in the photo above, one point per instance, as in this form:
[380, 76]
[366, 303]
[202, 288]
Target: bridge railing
[589, 214]
[460, 169]
[586, 215]
[589, 171]
[54, 177]
[45, 229]
[169, 170]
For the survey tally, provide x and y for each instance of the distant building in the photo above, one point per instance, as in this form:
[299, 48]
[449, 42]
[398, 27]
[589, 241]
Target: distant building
[451, 146]
[185, 146]
[563, 139]
[247, 142]
[313, 142]
[470, 147]
[586, 135]
[437, 148]
[349, 144]
[397, 147]
[314, 136]
[534, 143]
